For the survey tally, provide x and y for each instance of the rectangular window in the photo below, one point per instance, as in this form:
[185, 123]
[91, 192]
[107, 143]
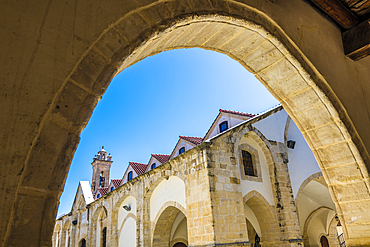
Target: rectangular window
[181, 150]
[223, 126]
[248, 163]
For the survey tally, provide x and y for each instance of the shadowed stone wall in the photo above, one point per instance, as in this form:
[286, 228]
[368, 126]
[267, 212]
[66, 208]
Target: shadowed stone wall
[60, 57]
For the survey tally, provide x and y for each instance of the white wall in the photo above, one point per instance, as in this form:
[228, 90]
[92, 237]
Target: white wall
[302, 162]
[127, 232]
[98, 233]
[127, 236]
[122, 213]
[264, 187]
[273, 126]
[172, 189]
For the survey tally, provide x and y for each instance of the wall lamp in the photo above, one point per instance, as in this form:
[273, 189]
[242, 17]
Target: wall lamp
[127, 207]
[290, 144]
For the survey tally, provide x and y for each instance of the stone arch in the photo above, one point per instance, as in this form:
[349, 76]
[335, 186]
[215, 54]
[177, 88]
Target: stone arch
[263, 143]
[308, 221]
[66, 232]
[163, 208]
[176, 183]
[305, 182]
[265, 215]
[100, 214]
[280, 66]
[162, 224]
[56, 235]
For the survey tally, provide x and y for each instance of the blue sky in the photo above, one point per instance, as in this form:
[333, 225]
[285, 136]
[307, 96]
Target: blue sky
[148, 105]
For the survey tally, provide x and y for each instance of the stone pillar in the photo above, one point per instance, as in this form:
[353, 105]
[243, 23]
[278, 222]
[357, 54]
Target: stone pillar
[286, 209]
[72, 233]
[214, 202]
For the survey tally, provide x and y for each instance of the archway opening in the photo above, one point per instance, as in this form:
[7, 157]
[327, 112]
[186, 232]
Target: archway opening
[170, 229]
[272, 63]
[261, 223]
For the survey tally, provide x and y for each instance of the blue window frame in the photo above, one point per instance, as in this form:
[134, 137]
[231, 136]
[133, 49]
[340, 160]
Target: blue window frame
[152, 167]
[129, 176]
[223, 126]
[181, 150]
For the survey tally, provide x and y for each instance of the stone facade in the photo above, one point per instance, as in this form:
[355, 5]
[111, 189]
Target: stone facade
[203, 197]
[59, 58]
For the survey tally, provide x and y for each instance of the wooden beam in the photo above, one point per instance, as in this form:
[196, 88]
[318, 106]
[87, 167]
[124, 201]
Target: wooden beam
[338, 12]
[356, 41]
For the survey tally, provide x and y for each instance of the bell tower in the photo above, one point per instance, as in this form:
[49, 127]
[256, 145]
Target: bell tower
[101, 170]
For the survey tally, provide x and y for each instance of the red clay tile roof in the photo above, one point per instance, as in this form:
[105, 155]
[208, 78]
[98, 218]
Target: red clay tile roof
[103, 191]
[231, 112]
[163, 158]
[116, 182]
[194, 140]
[238, 113]
[138, 167]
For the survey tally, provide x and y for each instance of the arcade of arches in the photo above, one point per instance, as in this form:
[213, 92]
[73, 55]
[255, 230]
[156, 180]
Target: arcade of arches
[200, 198]
[60, 57]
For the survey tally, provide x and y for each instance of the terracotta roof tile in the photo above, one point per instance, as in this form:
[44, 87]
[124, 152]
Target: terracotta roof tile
[244, 114]
[116, 182]
[138, 167]
[103, 191]
[163, 158]
[192, 139]
[238, 113]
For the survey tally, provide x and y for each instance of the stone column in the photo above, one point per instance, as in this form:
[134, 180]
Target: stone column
[214, 202]
[286, 209]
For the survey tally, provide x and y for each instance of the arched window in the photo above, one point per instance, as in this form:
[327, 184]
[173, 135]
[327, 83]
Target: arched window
[223, 126]
[248, 163]
[97, 196]
[181, 150]
[324, 241]
[111, 188]
[104, 244]
[82, 243]
[101, 183]
[129, 176]
[152, 167]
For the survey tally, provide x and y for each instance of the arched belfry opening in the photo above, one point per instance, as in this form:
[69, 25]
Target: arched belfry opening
[261, 36]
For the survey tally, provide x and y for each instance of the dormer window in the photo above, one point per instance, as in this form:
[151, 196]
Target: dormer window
[223, 126]
[97, 196]
[152, 166]
[129, 176]
[181, 150]
[112, 188]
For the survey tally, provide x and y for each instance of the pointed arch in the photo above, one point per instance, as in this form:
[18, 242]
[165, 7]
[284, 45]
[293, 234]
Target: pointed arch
[162, 224]
[265, 215]
[305, 182]
[97, 225]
